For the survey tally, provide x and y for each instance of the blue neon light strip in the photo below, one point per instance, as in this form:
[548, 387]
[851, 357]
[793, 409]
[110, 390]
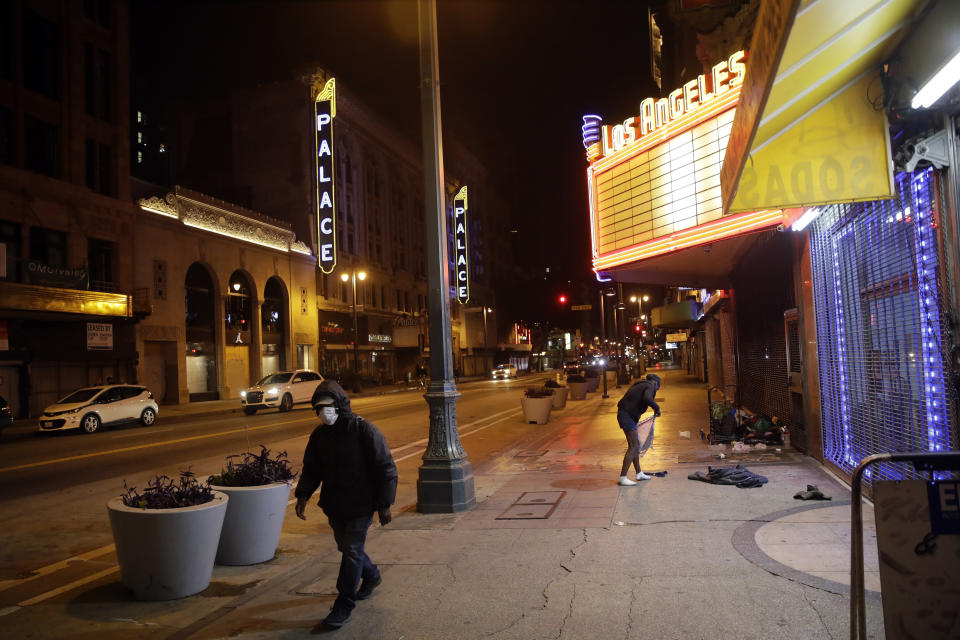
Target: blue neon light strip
[874, 270]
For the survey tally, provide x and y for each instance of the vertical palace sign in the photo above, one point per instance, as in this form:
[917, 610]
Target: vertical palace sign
[460, 238]
[325, 110]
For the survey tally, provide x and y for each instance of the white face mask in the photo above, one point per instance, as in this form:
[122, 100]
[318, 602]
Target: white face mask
[329, 415]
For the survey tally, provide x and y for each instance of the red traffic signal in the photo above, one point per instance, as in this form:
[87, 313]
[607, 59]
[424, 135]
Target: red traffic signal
[562, 299]
[636, 328]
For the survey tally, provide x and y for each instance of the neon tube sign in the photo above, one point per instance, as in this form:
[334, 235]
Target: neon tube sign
[325, 110]
[658, 114]
[462, 248]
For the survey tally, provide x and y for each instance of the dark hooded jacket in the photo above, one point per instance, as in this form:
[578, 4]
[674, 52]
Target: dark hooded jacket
[350, 462]
[640, 396]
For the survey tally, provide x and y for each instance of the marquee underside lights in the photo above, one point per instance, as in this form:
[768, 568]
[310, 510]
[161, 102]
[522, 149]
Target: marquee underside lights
[727, 227]
[325, 110]
[462, 269]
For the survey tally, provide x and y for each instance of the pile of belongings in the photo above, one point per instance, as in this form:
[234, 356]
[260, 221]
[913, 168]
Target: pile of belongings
[762, 429]
[738, 475]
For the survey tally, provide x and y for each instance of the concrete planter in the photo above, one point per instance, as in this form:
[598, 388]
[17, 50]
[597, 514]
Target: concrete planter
[536, 410]
[593, 384]
[251, 529]
[559, 397]
[166, 554]
[578, 390]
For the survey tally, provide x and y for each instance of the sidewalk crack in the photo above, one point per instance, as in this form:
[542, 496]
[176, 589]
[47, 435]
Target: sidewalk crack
[573, 552]
[817, 611]
[633, 600]
[569, 613]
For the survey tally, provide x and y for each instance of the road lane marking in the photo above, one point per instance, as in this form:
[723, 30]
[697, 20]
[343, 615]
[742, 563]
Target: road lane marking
[134, 433]
[138, 447]
[56, 566]
[7, 610]
[68, 587]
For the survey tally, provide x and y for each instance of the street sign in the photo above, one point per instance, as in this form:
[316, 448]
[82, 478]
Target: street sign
[581, 307]
[676, 337]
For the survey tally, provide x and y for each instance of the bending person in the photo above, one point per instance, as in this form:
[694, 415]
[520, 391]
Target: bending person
[637, 399]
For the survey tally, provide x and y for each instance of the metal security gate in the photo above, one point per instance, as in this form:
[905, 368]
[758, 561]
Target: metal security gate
[880, 314]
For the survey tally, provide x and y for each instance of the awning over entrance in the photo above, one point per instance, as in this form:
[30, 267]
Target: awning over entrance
[810, 128]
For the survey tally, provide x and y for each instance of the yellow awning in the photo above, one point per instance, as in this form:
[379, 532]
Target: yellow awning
[815, 131]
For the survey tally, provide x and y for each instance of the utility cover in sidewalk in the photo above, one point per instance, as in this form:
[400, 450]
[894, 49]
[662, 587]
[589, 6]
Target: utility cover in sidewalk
[533, 505]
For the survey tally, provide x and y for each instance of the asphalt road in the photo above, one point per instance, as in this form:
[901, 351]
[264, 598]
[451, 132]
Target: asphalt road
[54, 488]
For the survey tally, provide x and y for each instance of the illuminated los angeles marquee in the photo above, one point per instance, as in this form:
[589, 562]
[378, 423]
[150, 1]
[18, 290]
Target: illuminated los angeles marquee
[654, 179]
[325, 110]
[602, 140]
[460, 238]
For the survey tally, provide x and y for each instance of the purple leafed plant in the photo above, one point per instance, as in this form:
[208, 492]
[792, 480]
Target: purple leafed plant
[552, 384]
[538, 392]
[163, 493]
[253, 470]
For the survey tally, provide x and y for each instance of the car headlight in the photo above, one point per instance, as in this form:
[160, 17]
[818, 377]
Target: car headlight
[272, 392]
[243, 394]
[77, 410]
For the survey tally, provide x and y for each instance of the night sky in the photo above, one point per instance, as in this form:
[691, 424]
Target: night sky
[516, 77]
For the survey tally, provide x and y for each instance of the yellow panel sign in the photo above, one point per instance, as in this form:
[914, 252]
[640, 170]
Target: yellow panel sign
[839, 152]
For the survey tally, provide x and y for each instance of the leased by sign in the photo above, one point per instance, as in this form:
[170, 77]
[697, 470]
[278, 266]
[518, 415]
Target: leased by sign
[460, 237]
[325, 109]
[99, 336]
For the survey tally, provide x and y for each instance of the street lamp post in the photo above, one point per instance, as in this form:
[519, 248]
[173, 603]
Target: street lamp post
[603, 338]
[445, 479]
[640, 300]
[353, 277]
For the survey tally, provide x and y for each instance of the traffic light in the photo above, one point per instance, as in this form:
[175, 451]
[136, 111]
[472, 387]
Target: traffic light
[636, 328]
[562, 299]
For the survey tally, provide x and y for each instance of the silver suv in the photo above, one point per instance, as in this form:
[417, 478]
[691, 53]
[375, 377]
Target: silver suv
[280, 390]
[504, 372]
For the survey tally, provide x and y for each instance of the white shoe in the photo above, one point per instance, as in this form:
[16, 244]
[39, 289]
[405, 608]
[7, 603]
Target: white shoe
[626, 482]
[642, 476]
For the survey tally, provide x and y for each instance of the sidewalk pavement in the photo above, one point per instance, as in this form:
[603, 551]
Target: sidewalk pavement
[555, 549]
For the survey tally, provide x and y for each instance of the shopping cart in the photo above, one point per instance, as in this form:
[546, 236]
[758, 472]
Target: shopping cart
[724, 417]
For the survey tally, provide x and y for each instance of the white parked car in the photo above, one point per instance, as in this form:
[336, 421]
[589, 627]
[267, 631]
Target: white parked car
[280, 390]
[91, 408]
[504, 371]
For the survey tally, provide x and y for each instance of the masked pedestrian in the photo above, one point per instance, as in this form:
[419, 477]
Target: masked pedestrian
[637, 399]
[348, 458]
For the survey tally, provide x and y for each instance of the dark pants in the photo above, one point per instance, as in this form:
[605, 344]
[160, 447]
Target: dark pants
[629, 425]
[351, 534]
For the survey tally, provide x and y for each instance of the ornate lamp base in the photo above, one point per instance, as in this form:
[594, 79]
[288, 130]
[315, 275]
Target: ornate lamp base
[445, 479]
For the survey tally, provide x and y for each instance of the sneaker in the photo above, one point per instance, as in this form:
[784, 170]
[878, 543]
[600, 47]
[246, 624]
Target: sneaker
[337, 617]
[626, 482]
[367, 587]
[642, 476]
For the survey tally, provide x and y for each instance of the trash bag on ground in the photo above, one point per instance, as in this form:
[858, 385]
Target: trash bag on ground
[738, 476]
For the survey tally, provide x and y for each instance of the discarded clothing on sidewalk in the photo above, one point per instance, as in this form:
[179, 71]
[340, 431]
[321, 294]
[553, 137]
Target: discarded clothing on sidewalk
[739, 476]
[812, 493]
